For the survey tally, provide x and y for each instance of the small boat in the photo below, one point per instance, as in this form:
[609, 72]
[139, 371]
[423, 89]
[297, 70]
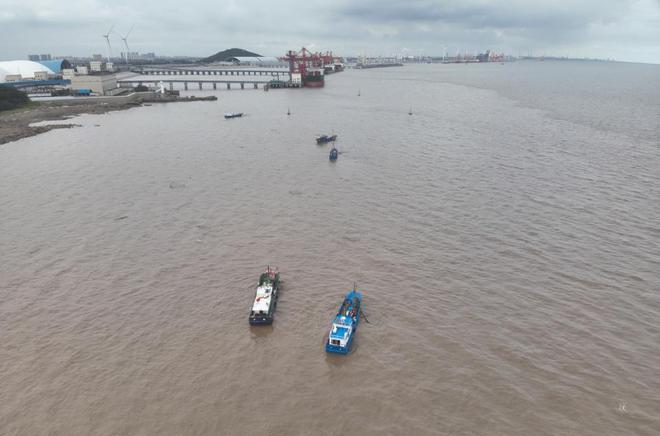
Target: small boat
[324, 139]
[345, 324]
[334, 153]
[233, 115]
[410, 111]
[265, 300]
[358, 92]
[288, 111]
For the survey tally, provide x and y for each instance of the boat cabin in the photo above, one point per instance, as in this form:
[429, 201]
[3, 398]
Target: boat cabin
[341, 331]
[262, 308]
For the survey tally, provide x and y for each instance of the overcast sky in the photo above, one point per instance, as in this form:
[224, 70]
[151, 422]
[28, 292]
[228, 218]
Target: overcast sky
[627, 30]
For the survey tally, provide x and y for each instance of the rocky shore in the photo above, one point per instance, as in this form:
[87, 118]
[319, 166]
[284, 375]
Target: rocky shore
[16, 124]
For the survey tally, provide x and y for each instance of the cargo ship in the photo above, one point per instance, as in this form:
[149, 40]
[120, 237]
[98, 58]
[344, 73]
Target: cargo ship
[310, 67]
[314, 78]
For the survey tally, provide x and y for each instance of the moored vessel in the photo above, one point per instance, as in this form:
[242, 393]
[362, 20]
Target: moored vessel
[233, 115]
[265, 300]
[313, 78]
[345, 324]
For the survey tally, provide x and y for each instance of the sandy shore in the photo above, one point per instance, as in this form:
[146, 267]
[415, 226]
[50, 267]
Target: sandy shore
[15, 125]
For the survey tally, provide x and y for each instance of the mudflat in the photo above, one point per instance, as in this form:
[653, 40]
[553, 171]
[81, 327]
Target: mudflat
[17, 124]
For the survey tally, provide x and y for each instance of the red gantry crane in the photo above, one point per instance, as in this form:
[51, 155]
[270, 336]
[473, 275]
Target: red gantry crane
[308, 65]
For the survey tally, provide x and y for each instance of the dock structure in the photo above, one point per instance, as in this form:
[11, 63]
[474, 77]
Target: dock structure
[186, 82]
[205, 77]
[208, 71]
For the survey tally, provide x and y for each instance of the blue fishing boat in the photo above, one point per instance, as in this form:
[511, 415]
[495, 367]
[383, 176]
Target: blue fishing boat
[345, 324]
[334, 154]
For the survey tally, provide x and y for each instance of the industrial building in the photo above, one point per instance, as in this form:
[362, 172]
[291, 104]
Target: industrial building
[37, 58]
[29, 70]
[101, 84]
[257, 61]
[39, 76]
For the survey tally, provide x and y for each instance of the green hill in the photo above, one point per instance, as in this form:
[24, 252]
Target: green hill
[225, 55]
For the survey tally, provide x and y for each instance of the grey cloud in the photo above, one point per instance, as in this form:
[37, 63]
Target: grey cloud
[478, 14]
[201, 27]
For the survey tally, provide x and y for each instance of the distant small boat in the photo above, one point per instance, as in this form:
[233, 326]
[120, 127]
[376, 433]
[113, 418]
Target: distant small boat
[334, 154]
[345, 324]
[324, 139]
[288, 111]
[265, 300]
[233, 115]
[410, 111]
[358, 92]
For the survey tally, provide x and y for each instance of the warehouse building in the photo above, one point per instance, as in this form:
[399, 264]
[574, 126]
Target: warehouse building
[101, 84]
[30, 70]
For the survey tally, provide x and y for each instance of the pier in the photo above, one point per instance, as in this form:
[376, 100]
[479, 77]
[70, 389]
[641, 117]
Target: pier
[206, 71]
[187, 82]
[198, 77]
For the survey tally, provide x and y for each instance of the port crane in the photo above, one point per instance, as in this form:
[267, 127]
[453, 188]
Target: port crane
[302, 61]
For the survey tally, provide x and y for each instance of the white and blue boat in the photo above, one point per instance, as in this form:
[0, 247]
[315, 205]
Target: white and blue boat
[345, 324]
[334, 153]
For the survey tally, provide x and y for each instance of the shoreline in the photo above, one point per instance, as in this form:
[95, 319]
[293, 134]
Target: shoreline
[16, 124]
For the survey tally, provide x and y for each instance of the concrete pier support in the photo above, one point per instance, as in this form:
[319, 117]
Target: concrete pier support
[255, 86]
[171, 86]
[215, 86]
[200, 86]
[228, 85]
[185, 85]
[242, 85]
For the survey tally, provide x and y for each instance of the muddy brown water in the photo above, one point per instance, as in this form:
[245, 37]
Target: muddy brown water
[506, 237]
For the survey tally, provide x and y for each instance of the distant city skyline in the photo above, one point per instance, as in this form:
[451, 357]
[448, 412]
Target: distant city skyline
[624, 30]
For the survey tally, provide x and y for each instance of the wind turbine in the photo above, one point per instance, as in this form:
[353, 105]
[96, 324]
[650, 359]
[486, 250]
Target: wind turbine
[125, 39]
[107, 40]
